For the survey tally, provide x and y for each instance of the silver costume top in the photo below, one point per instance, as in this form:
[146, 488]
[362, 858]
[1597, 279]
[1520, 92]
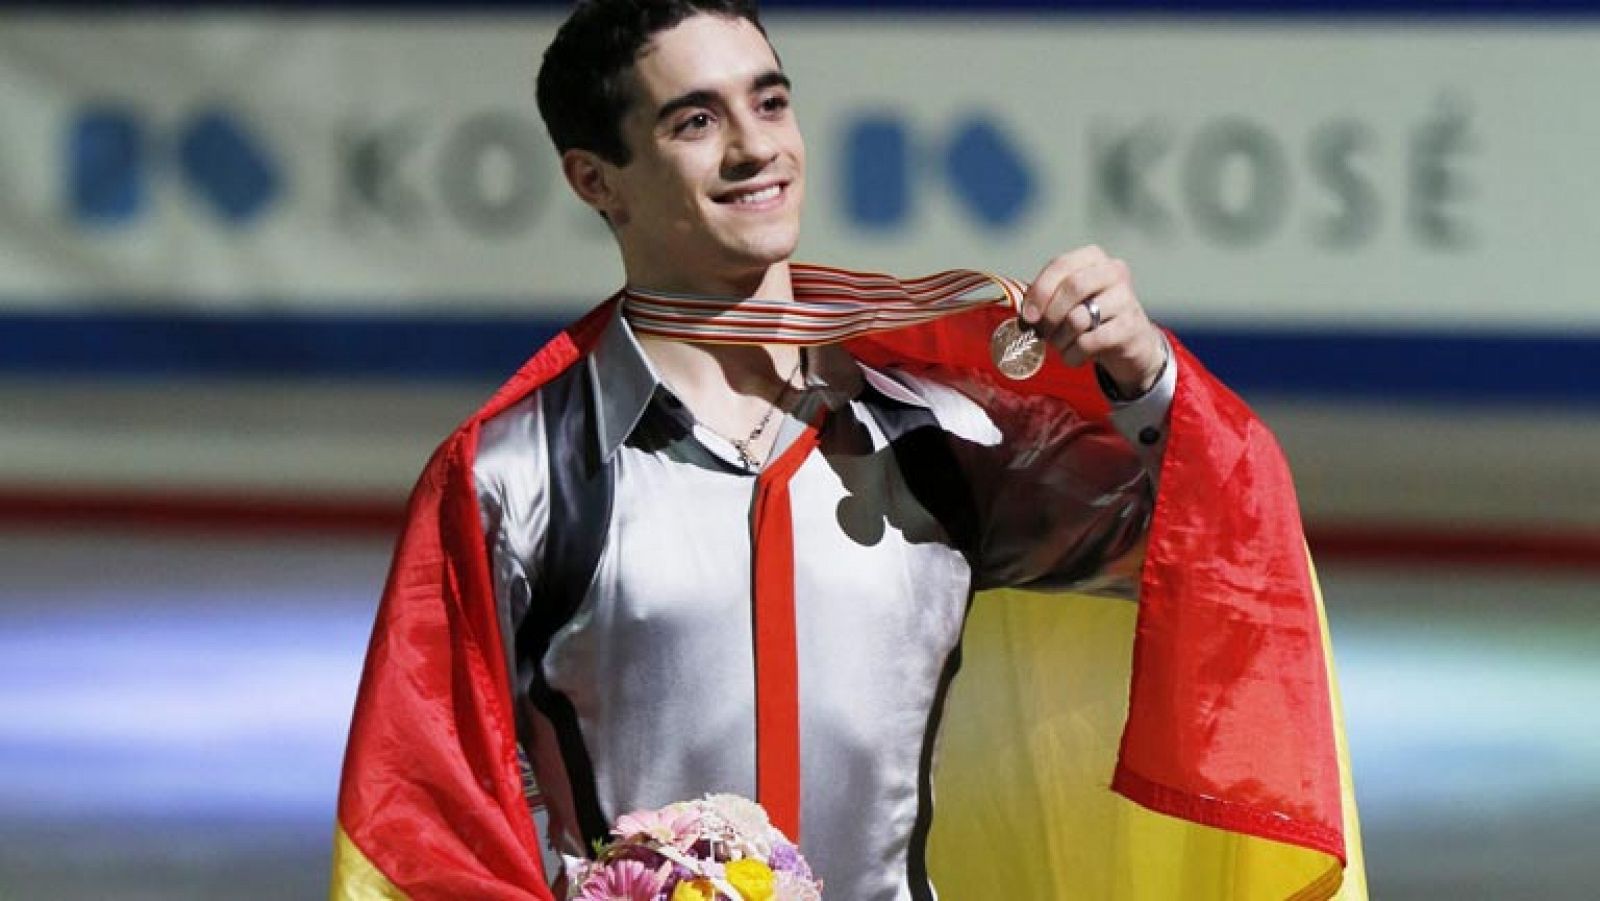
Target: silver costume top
[654, 669]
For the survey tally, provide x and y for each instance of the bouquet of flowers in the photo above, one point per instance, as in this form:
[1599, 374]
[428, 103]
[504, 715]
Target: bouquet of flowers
[719, 848]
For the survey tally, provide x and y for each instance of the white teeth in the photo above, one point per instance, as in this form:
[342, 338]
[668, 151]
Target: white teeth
[760, 196]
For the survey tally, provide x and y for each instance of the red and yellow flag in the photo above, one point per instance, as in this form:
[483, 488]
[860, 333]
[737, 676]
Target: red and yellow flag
[1186, 746]
[1211, 705]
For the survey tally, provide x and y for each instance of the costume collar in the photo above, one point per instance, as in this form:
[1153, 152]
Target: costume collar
[624, 383]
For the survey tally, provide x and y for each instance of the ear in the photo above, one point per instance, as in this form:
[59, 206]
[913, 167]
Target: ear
[594, 181]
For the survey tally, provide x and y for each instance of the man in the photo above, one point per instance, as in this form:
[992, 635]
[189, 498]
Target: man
[688, 562]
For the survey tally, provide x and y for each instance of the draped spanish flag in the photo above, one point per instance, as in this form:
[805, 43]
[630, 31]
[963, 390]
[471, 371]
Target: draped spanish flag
[1212, 705]
[1184, 747]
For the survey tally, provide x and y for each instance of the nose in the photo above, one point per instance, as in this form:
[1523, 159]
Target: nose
[751, 146]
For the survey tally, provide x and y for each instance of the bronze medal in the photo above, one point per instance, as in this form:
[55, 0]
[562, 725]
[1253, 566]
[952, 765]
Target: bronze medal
[1016, 350]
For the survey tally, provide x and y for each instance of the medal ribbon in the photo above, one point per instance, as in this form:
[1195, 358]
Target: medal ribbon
[829, 305]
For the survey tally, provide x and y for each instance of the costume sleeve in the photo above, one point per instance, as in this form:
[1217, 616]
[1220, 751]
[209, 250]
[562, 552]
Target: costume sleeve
[510, 475]
[1062, 500]
[431, 802]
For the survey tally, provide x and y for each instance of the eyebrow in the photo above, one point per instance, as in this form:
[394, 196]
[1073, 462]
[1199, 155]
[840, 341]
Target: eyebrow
[772, 78]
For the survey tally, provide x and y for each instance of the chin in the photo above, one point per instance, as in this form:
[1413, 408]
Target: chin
[758, 262]
[770, 248]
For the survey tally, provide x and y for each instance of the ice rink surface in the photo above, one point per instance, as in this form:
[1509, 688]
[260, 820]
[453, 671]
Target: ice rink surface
[173, 708]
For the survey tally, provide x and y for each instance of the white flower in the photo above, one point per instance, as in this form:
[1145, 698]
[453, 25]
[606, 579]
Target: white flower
[740, 825]
[742, 814]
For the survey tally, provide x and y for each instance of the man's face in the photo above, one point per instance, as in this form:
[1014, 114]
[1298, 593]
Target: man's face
[713, 191]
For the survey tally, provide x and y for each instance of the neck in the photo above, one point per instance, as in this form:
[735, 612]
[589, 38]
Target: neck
[735, 390]
[710, 377]
[718, 375]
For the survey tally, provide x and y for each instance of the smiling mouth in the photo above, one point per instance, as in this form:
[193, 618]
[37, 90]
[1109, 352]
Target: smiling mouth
[755, 197]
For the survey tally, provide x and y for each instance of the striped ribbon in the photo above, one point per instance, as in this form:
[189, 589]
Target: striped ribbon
[830, 305]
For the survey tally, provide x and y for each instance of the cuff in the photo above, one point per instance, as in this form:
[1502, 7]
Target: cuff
[1143, 421]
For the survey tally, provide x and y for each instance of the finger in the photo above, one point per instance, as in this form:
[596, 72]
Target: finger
[1046, 283]
[1082, 284]
[1114, 302]
[1077, 349]
[1085, 318]
[1106, 284]
[1120, 316]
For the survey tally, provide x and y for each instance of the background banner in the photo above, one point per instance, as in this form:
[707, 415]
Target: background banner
[1257, 173]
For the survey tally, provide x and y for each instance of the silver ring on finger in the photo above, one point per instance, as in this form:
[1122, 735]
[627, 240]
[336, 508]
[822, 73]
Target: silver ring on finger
[1094, 314]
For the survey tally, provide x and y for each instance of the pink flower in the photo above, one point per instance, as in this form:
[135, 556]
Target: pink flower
[677, 825]
[624, 880]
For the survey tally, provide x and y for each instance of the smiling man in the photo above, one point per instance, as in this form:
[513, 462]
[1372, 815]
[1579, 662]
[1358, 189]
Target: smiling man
[724, 534]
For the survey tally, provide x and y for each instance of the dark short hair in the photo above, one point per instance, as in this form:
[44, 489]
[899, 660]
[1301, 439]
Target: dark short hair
[584, 89]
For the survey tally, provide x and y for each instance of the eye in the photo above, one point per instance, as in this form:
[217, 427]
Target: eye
[693, 123]
[774, 103]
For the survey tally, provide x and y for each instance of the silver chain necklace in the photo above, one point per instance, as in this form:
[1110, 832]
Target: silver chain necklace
[747, 459]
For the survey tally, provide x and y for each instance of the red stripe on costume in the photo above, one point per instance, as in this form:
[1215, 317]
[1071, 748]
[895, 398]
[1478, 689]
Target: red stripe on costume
[776, 650]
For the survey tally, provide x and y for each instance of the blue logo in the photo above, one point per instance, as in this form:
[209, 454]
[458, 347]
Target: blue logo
[985, 171]
[112, 158]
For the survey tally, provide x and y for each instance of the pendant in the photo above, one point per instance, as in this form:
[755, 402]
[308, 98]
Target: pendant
[746, 459]
[1016, 350]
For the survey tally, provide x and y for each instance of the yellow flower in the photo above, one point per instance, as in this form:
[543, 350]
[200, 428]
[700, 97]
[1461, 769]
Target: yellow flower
[752, 878]
[694, 890]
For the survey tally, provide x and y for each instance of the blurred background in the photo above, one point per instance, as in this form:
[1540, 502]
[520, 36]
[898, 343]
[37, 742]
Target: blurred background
[256, 259]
